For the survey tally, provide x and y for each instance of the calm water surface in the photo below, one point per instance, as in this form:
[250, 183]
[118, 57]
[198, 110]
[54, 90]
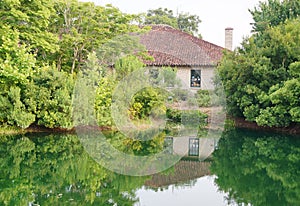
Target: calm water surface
[247, 168]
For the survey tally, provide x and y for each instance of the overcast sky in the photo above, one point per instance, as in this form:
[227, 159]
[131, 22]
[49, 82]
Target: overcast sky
[216, 15]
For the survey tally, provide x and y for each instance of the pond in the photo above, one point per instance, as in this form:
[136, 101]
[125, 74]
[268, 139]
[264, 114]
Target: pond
[246, 167]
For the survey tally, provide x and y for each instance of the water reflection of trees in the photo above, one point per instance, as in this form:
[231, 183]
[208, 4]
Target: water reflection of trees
[258, 169]
[48, 169]
[55, 170]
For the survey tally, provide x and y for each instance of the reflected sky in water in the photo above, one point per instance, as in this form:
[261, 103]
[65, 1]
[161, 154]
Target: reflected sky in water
[203, 192]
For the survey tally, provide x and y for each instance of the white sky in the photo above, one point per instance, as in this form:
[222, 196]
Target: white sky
[216, 15]
[204, 192]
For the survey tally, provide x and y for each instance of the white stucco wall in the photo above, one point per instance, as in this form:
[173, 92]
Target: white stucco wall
[207, 74]
[184, 73]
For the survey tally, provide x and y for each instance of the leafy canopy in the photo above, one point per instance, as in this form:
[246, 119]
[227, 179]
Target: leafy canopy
[184, 21]
[261, 79]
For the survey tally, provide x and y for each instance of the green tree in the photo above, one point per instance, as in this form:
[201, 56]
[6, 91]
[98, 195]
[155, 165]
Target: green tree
[83, 27]
[17, 63]
[256, 76]
[161, 16]
[31, 19]
[53, 92]
[148, 101]
[41, 41]
[103, 101]
[274, 12]
[184, 21]
[17, 66]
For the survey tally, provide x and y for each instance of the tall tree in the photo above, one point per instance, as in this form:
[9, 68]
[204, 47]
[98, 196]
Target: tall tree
[274, 12]
[82, 27]
[261, 79]
[184, 21]
[31, 20]
[17, 65]
[161, 16]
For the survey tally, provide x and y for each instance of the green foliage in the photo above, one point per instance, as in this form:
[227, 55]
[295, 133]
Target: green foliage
[53, 91]
[164, 77]
[93, 69]
[180, 94]
[83, 27]
[142, 145]
[123, 67]
[261, 80]
[15, 112]
[19, 114]
[189, 23]
[273, 13]
[148, 101]
[259, 169]
[161, 16]
[184, 21]
[38, 34]
[31, 19]
[121, 49]
[17, 64]
[126, 65]
[46, 45]
[203, 98]
[176, 115]
[103, 102]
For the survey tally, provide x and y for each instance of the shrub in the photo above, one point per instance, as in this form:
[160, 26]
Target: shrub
[192, 116]
[203, 98]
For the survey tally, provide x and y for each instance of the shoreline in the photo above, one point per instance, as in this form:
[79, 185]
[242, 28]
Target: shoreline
[238, 122]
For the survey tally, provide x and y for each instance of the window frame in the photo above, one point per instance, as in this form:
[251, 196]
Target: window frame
[195, 78]
[194, 147]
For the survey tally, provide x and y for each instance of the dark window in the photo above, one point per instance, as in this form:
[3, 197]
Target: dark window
[193, 147]
[195, 78]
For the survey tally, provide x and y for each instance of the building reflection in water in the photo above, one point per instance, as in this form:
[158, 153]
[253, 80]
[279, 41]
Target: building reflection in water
[191, 147]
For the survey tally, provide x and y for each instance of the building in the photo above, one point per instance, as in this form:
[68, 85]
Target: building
[194, 58]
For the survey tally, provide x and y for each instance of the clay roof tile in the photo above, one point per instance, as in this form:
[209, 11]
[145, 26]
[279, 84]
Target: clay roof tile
[172, 47]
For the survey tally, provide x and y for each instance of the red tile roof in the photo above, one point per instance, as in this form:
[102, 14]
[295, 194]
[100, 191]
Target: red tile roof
[172, 47]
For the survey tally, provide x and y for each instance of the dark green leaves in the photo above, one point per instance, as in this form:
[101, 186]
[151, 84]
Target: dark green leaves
[261, 79]
[273, 13]
[184, 21]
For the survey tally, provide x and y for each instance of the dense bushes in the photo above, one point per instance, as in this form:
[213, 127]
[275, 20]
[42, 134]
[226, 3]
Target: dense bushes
[261, 79]
[53, 92]
[148, 101]
[45, 100]
[63, 42]
[43, 48]
[14, 110]
[192, 116]
[203, 98]
[103, 102]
